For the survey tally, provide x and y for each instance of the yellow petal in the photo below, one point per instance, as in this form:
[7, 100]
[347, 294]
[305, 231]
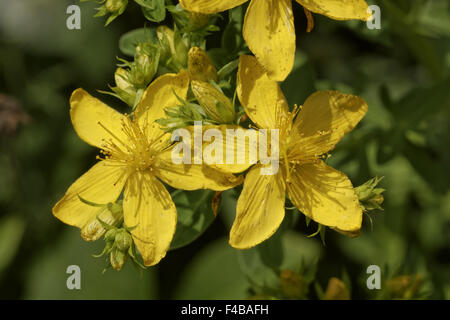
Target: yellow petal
[323, 120]
[210, 6]
[260, 209]
[325, 195]
[192, 176]
[148, 206]
[338, 9]
[101, 184]
[270, 34]
[160, 94]
[261, 97]
[93, 120]
[200, 65]
[239, 147]
[216, 105]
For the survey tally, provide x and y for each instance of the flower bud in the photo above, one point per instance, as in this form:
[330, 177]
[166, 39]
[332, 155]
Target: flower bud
[114, 6]
[115, 208]
[123, 240]
[145, 65]
[173, 48]
[124, 89]
[369, 196]
[216, 105]
[118, 259]
[165, 37]
[200, 66]
[110, 235]
[94, 228]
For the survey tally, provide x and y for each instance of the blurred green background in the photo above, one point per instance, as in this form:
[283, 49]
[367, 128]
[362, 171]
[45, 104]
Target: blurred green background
[402, 71]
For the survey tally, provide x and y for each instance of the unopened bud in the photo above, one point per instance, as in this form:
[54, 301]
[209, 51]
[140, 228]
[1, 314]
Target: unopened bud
[200, 66]
[165, 37]
[114, 6]
[115, 208]
[173, 49]
[118, 259]
[123, 240]
[216, 105]
[110, 235]
[98, 224]
[369, 196]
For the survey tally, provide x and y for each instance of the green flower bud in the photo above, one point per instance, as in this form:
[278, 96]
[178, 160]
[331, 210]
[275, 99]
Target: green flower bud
[181, 49]
[141, 71]
[110, 235]
[369, 196]
[114, 6]
[118, 259]
[123, 240]
[165, 37]
[115, 208]
[145, 65]
[174, 50]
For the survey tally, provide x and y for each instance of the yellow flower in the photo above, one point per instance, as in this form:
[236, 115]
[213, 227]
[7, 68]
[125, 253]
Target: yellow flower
[269, 25]
[136, 155]
[317, 190]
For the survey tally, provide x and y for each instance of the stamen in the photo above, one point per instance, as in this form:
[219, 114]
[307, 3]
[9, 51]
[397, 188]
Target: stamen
[111, 133]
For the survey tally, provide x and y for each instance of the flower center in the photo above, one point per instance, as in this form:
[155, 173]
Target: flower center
[134, 152]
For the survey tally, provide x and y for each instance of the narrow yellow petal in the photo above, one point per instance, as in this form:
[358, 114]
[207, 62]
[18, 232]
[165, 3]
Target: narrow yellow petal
[93, 120]
[338, 9]
[200, 66]
[101, 184]
[270, 34]
[148, 206]
[260, 209]
[160, 94]
[192, 176]
[325, 195]
[261, 97]
[210, 6]
[237, 148]
[323, 120]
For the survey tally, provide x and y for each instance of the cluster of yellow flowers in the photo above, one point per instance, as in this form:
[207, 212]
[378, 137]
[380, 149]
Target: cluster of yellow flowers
[135, 156]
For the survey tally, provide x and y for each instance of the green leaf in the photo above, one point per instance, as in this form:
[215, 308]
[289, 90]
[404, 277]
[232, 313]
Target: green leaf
[131, 39]
[213, 273]
[153, 10]
[194, 215]
[284, 250]
[421, 103]
[11, 232]
[46, 277]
